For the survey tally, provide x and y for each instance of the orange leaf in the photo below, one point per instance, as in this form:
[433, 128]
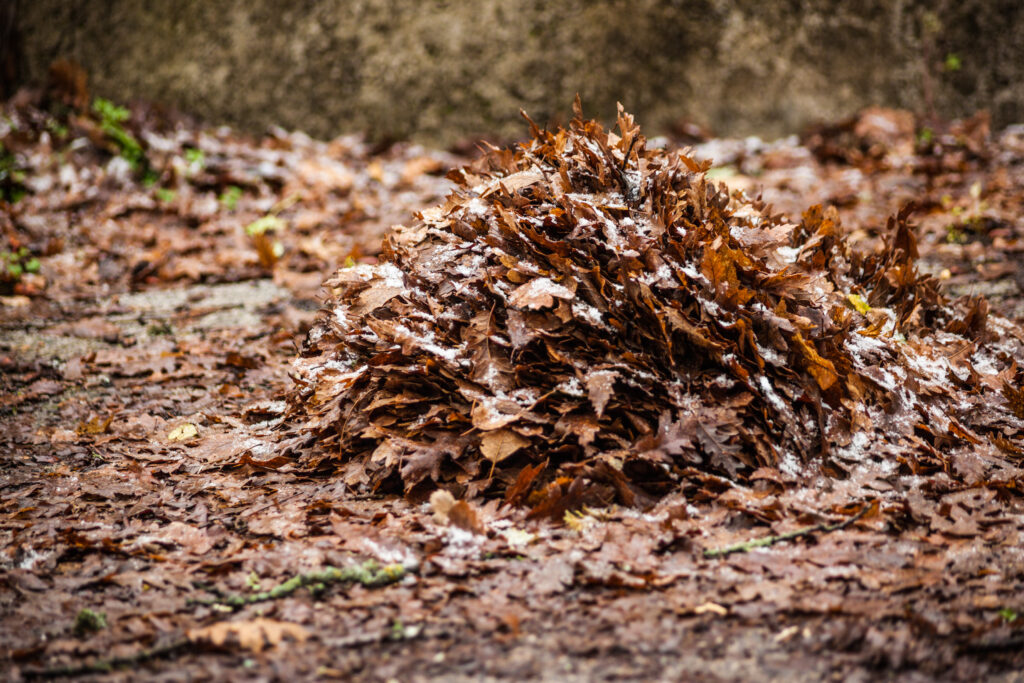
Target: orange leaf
[821, 369]
[251, 635]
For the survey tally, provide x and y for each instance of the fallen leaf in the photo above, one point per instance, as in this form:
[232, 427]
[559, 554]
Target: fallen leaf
[500, 444]
[487, 416]
[441, 503]
[599, 388]
[821, 369]
[253, 635]
[183, 432]
[464, 516]
[539, 293]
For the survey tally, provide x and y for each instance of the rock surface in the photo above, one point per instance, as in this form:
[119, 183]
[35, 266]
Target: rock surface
[441, 72]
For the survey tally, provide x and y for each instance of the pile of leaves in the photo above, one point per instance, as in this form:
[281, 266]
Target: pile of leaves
[587, 320]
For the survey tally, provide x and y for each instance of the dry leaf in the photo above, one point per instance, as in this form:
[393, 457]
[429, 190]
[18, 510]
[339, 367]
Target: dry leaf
[464, 516]
[821, 369]
[253, 635]
[487, 416]
[183, 432]
[599, 388]
[441, 503]
[498, 445]
[539, 293]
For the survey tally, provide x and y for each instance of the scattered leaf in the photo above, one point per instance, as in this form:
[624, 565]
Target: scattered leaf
[253, 635]
[183, 432]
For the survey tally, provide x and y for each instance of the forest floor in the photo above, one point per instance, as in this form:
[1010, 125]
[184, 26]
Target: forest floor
[158, 298]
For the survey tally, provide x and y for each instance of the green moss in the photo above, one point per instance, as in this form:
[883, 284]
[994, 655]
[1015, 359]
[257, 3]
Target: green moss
[369, 574]
[88, 621]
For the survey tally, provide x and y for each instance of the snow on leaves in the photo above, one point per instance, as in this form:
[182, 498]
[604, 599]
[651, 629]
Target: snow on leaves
[589, 320]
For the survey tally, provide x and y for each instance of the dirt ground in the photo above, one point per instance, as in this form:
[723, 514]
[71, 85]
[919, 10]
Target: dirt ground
[154, 334]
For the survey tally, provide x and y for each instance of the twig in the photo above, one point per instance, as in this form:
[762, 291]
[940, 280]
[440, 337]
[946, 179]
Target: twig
[788, 536]
[105, 665]
[369, 574]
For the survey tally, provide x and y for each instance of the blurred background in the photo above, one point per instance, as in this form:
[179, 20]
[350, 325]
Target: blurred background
[445, 72]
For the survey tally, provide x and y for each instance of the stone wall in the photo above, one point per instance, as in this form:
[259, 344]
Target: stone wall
[441, 71]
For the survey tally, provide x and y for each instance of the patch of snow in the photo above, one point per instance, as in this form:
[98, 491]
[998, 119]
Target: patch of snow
[31, 558]
[477, 207]
[769, 393]
[571, 387]
[788, 254]
[587, 313]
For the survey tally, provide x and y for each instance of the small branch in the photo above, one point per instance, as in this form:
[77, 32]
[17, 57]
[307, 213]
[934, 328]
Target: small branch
[106, 665]
[788, 536]
[369, 574]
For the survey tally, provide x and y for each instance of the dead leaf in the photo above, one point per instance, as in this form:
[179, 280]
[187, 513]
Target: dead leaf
[464, 516]
[539, 293]
[599, 387]
[500, 444]
[487, 416]
[821, 369]
[441, 502]
[252, 635]
[183, 432]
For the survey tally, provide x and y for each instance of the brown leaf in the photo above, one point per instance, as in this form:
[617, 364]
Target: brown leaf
[193, 539]
[1015, 397]
[584, 427]
[441, 502]
[486, 416]
[378, 294]
[464, 516]
[500, 444]
[539, 293]
[253, 635]
[599, 388]
[822, 369]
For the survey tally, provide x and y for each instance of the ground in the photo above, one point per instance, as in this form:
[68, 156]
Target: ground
[157, 325]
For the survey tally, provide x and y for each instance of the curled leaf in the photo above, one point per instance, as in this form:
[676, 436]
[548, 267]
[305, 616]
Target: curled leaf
[183, 432]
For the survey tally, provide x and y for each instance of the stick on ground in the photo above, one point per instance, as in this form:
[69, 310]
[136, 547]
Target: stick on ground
[788, 536]
[369, 574]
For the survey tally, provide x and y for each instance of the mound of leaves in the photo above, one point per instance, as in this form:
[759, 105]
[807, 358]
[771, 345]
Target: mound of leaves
[587, 320]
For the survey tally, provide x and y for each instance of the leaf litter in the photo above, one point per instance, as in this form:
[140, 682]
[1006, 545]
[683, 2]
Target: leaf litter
[102, 512]
[602, 311]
